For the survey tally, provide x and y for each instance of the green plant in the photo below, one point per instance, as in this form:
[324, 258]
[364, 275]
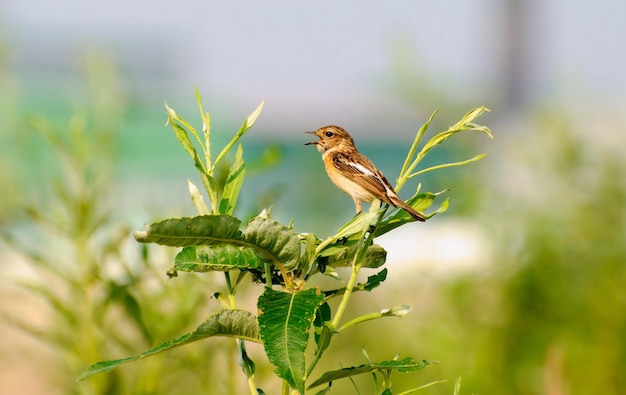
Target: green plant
[268, 252]
[70, 265]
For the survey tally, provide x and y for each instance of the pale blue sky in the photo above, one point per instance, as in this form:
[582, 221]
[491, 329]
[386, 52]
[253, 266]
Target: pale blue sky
[313, 60]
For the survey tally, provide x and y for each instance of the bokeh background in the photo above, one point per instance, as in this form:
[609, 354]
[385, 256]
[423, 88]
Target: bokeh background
[520, 288]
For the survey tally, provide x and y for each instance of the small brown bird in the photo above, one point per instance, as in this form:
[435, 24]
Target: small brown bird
[353, 173]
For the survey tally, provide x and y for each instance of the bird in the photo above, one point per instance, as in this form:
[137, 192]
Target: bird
[353, 172]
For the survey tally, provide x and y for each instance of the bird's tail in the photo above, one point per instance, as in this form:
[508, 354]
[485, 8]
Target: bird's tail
[400, 203]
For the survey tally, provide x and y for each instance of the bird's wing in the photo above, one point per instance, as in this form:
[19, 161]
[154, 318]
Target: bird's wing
[362, 171]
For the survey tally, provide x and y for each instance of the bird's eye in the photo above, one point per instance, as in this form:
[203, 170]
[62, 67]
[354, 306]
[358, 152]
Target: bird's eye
[329, 134]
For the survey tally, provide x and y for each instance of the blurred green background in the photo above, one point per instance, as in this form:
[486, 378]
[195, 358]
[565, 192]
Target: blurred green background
[520, 288]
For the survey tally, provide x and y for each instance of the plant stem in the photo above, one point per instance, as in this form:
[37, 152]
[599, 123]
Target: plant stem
[231, 291]
[252, 386]
[356, 267]
[357, 263]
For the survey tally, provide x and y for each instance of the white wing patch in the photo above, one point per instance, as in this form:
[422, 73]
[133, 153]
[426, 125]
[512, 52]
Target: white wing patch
[362, 169]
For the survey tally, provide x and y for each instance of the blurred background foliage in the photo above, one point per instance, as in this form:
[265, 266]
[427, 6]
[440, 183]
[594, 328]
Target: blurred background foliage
[540, 309]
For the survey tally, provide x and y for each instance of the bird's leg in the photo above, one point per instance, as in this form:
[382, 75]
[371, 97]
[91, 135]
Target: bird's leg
[357, 205]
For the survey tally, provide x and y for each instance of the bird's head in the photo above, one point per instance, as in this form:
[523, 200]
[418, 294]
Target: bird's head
[332, 136]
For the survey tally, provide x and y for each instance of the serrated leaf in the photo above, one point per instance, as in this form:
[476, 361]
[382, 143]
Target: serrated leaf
[284, 321]
[234, 181]
[274, 241]
[215, 258]
[183, 232]
[404, 366]
[239, 324]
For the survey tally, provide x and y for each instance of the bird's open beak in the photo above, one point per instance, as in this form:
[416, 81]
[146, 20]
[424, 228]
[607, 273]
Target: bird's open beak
[312, 142]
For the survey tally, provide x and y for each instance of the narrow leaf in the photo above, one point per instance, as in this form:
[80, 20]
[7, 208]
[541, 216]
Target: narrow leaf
[397, 311]
[234, 181]
[239, 324]
[421, 202]
[211, 188]
[247, 124]
[183, 137]
[196, 199]
[446, 165]
[422, 387]
[457, 386]
[251, 119]
[418, 137]
[464, 124]
[404, 365]
[284, 321]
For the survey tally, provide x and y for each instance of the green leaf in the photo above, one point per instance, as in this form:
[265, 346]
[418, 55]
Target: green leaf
[247, 364]
[273, 241]
[322, 315]
[447, 165]
[464, 124]
[206, 127]
[420, 202]
[196, 198]
[371, 283]
[418, 137]
[211, 188]
[356, 225]
[457, 386]
[239, 324]
[404, 365]
[396, 311]
[247, 124]
[251, 119]
[234, 181]
[308, 257]
[182, 232]
[215, 258]
[284, 321]
[324, 391]
[183, 137]
[422, 387]
[374, 280]
[342, 256]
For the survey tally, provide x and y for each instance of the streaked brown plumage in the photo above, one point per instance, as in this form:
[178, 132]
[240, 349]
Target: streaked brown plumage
[353, 173]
